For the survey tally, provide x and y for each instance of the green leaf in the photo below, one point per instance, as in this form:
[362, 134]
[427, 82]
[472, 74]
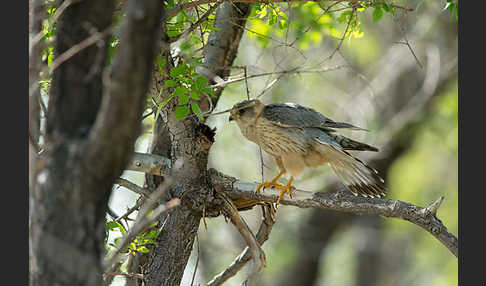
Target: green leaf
[180, 91]
[181, 112]
[448, 5]
[200, 82]
[116, 240]
[170, 83]
[195, 94]
[377, 14]
[344, 17]
[386, 7]
[177, 70]
[151, 234]
[208, 90]
[196, 110]
[273, 19]
[143, 249]
[172, 33]
[183, 99]
[111, 225]
[262, 12]
[160, 61]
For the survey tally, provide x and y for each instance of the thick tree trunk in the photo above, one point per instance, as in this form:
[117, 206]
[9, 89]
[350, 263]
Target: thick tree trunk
[188, 142]
[91, 128]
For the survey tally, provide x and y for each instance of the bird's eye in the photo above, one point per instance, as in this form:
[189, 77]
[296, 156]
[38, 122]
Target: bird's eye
[241, 111]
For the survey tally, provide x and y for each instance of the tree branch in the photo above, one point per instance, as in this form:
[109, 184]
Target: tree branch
[240, 261]
[341, 201]
[149, 163]
[345, 202]
[132, 187]
[188, 5]
[118, 123]
[253, 246]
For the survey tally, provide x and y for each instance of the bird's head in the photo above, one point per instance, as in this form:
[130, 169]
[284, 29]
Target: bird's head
[246, 112]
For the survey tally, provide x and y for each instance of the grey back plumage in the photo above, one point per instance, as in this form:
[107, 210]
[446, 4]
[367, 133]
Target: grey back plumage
[292, 114]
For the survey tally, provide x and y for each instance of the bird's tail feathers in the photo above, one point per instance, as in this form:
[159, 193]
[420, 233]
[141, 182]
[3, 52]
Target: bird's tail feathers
[358, 177]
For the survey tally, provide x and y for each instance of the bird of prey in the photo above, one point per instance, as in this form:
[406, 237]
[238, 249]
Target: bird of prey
[299, 137]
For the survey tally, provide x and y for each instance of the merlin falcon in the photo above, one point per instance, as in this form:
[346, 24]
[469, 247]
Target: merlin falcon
[299, 137]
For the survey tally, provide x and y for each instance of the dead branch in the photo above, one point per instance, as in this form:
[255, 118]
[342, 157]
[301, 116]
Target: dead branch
[291, 71]
[150, 164]
[144, 219]
[262, 235]
[345, 202]
[132, 187]
[257, 255]
[342, 201]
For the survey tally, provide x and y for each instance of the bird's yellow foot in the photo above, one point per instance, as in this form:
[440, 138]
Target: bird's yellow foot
[269, 184]
[272, 183]
[284, 189]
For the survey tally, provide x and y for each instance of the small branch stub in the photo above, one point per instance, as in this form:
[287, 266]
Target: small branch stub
[433, 207]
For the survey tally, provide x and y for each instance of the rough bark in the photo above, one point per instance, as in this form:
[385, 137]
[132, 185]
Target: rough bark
[36, 14]
[222, 46]
[91, 129]
[187, 142]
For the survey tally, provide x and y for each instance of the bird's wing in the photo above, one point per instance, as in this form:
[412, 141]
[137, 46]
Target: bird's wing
[337, 141]
[295, 115]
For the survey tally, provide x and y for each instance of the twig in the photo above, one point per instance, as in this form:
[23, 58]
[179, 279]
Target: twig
[274, 81]
[128, 275]
[144, 219]
[56, 16]
[292, 71]
[139, 203]
[196, 24]
[79, 47]
[111, 213]
[403, 29]
[188, 5]
[246, 83]
[197, 261]
[132, 187]
[240, 261]
[150, 164]
[257, 254]
[314, 22]
[342, 38]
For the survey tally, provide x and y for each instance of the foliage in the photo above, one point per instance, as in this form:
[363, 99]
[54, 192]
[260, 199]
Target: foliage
[452, 7]
[187, 86]
[138, 245]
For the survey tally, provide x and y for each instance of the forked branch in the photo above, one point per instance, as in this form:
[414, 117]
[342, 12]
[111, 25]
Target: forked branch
[344, 201]
[262, 235]
[425, 217]
[257, 254]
